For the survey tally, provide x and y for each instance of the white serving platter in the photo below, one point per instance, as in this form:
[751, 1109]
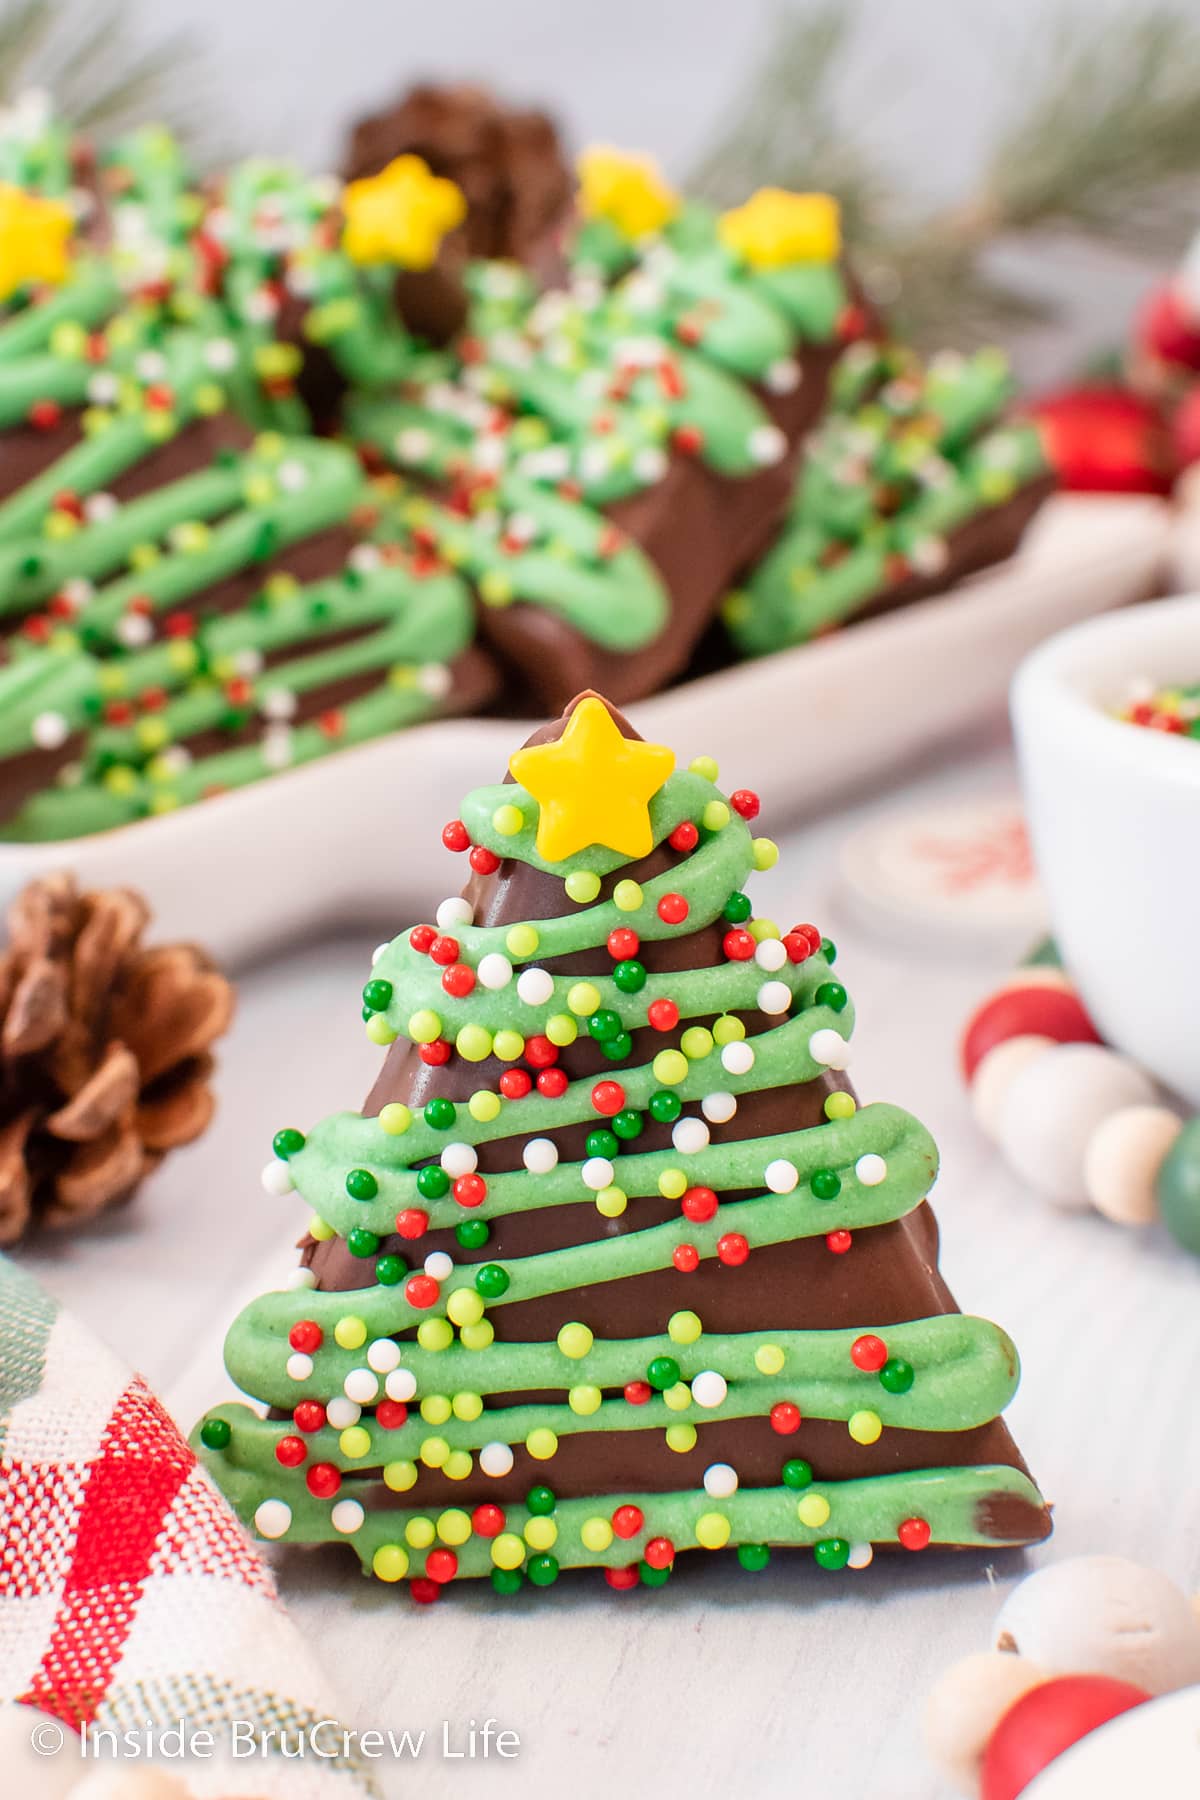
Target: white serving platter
[355, 836]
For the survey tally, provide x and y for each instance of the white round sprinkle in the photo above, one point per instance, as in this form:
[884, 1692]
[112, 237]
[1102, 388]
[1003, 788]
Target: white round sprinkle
[301, 1278]
[494, 971]
[781, 1176]
[277, 703]
[689, 1135]
[412, 445]
[273, 1518]
[384, 1355]
[134, 629]
[50, 730]
[438, 1265]
[871, 1170]
[737, 1058]
[829, 1048]
[299, 1366]
[434, 680]
[454, 911]
[460, 1159]
[534, 986]
[220, 354]
[774, 997]
[361, 1386]
[99, 508]
[378, 951]
[597, 1173]
[277, 747]
[277, 1177]
[718, 1108]
[783, 377]
[495, 1459]
[401, 1384]
[540, 1156]
[347, 1516]
[342, 1411]
[720, 1481]
[709, 1389]
[770, 954]
[767, 444]
[861, 1556]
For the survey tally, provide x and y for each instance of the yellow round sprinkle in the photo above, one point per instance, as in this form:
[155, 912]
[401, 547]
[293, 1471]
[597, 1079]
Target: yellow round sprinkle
[400, 1476]
[478, 1337]
[582, 886]
[768, 1359]
[813, 1510]
[484, 1106]
[672, 1184]
[681, 1438]
[354, 1442]
[433, 1452]
[561, 1029]
[379, 1031]
[395, 1119]
[762, 929]
[584, 1400]
[350, 1332]
[321, 1233]
[596, 1534]
[670, 1067]
[840, 1106]
[467, 1406]
[611, 1202]
[424, 1026]
[696, 1043]
[420, 1532]
[390, 1562]
[627, 896]
[435, 1334]
[865, 1427]
[541, 1443]
[584, 998]
[508, 820]
[715, 816]
[465, 1306]
[508, 1552]
[575, 1340]
[457, 1465]
[678, 1397]
[454, 1525]
[541, 1532]
[473, 1043]
[766, 853]
[522, 940]
[712, 1530]
[684, 1327]
[435, 1409]
[706, 766]
[508, 1045]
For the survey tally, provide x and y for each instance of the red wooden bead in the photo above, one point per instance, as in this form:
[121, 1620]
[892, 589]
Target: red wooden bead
[699, 1205]
[1035, 1008]
[732, 1248]
[914, 1534]
[421, 936]
[306, 1335]
[1045, 1722]
[659, 1553]
[838, 1241]
[608, 1097]
[623, 943]
[291, 1452]
[488, 1520]
[514, 1084]
[686, 1258]
[540, 1053]
[421, 1291]
[441, 1565]
[309, 1416]
[458, 980]
[868, 1353]
[455, 836]
[483, 860]
[470, 1190]
[638, 1392]
[622, 1579]
[425, 1590]
[797, 946]
[684, 837]
[323, 1481]
[553, 1083]
[672, 909]
[738, 945]
[390, 1415]
[745, 803]
[444, 949]
[627, 1521]
[413, 1222]
[436, 1054]
[663, 1015]
[785, 1418]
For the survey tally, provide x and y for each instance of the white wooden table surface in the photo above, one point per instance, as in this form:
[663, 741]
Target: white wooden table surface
[722, 1684]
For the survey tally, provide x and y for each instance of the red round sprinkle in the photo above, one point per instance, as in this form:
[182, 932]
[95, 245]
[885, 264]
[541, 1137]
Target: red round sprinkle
[323, 1481]
[553, 1083]
[483, 860]
[659, 1553]
[608, 1097]
[785, 1418]
[441, 1565]
[436, 1054]
[627, 1521]
[458, 980]
[470, 1190]
[738, 945]
[868, 1353]
[179, 625]
[425, 1590]
[745, 803]
[699, 1205]
[663, 1015]
[798, 948]
[413, 1222]
[444, 950]
[623, 943]
[515, 1084]
[622, 1579]
[686, 1258]
[685, 837]
[487, 1520]
[638, 1392]
[732, 1249]
[291, 1452]
[306, 1335]
[914, 1534]
[421, 1291]
[540, 1053]
[309, 1416]
[811, 933]
[45, 414]
[838, 1241]
[421, 936]
[455, 836]
[672, 909]
[391, 1414]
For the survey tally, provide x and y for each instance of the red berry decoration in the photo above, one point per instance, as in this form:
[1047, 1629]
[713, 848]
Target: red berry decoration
[470, 1190]
[732, 1249]
[914, 1534]
[458, 980]
[488, 1521]
[785, 1418]
[672, 909]
[437, 1054]
[553, 1084]
[444, 949]
[685, 837]
[663, 1015]
[838, 1241]
[627, 1521]
[622, 1579]
[540, 1053]
[868, 1353]
[425, 1590]
[608, 1097]
[745, 803]
[483, 860]
[441, 1565]
[323, 1481]
[686, 1258]
[1034, 1007]
[739, 946]
[413, 1222]
[306, 1335]
[455, 836]
[309, 1416]
[421, 1291]
[638, 1392]
[421, 936]
[1045, 1722]
[660, 1553]
[291, 1452]
[623, 943]
[514, 1084]
[390, 1415]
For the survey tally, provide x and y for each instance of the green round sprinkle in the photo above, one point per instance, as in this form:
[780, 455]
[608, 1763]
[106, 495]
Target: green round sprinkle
[440, 1114]
[753, 1557]
[832, 1553]
[215, 1434]
[361, 1184]
[361, 1242]
[472, 1234]
[491, 1281]
[665, 1107]
[605, 1024]
[285, 1143]
[433, 1183]
[833, 995]
[507, 1581]
[797, 1473]
[829, 950]
[896, 1375]
[542, 1570]
[617, 1048]
[390, 1270]
[627, 1123]
[378, 995]
[366, 1014]
[654, 1577]
[662, 1372]
[603, 1143]
[629, 976]
[540, 1500]
[826, 1184]
[738, 909]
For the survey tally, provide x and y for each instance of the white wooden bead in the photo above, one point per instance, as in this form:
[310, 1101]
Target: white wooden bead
[1122, 1159]
[1104, 1615]
[966, 1706]
[995, 1075]
[1055, 1104]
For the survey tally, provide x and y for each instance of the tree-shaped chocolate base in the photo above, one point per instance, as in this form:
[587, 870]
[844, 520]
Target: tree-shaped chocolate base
[613, 1265]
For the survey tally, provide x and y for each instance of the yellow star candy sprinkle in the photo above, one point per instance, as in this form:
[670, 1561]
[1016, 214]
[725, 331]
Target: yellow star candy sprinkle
[626, 190]
[400, 215]
[593, 785]
[33, 239]
[775, 228]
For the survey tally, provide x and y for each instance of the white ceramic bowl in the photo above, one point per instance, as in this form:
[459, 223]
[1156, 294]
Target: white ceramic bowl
[1114, 814]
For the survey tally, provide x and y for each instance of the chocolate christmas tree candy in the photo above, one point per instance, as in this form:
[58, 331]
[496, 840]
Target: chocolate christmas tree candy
[613, 1266]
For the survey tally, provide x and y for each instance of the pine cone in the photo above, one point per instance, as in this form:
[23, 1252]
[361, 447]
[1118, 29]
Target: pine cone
[104, 1052]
